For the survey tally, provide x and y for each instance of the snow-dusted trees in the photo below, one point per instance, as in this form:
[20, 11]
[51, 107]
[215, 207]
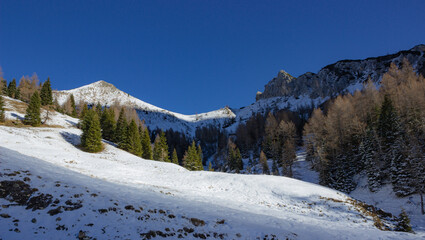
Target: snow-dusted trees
[379, 131]
[91, 138]
[32, 116]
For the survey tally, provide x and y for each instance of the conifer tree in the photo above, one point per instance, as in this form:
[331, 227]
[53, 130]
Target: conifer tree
[210, 168]
[2, 117]
[275, 169]
[120, 130]
[146, 144]
[11, 89]
[32, 116]
[263, 162]
[175, 159]
[133, 138]
[91, 138]
[107, 122]
[73, 107]
[192, 158]
[99, 109]
[4, 87]
[160, 151]
[84, 111]
[46, 93]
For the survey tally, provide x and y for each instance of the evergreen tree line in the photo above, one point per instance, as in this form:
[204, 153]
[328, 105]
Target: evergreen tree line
[31, 92]
[380, 133]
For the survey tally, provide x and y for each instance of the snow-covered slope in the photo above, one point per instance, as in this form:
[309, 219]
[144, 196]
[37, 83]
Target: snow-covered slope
[99, 193]
[50, 189]
[107, 94]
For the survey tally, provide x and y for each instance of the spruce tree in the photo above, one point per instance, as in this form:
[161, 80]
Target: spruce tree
[2, 117]
[264, 164]
[107, 122]
[11, 89]
[73, 107]
[175, 159]
[4, 87]
[46, 93]
[99, 109]
[134, 143]
[157, 148]
[121, 127]
[146, 144]
[32, 116]
[84, 111]
[164, 156]
[192, 158]
[91, 138]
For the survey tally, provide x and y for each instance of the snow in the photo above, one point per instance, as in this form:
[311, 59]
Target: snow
[107, 94]
[251, 205]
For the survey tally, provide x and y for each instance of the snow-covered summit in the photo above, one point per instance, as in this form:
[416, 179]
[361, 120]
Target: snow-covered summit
[107, 94]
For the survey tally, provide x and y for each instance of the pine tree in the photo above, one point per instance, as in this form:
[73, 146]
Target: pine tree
[4, 87]
[107, 122]
[146, 145]
[84, 111]
[73, 107]
[46, 93]
[134, 139]
[91, 138]
[11, 89]
[120, 127]
[403, 224]
[175, 159]
[210, 168]
[263, 162]
[164, 148]
[2, 117]
[99, 109]
[192, 158]
[32, 116]
[157, 148]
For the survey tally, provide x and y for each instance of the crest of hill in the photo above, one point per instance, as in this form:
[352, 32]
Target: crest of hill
[107, 94]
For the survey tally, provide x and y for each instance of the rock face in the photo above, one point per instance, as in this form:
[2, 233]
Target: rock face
[340, 76]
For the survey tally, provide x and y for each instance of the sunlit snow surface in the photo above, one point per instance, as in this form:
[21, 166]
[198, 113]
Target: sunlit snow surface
[251, 205]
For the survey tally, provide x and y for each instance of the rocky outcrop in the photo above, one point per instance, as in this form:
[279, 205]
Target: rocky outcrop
[340, 76]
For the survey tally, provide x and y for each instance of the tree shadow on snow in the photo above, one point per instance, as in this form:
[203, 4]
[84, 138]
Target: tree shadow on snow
[71, 138]
[17, 116]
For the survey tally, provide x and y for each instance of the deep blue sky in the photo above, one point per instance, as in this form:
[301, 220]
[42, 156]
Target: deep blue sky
[196, 56]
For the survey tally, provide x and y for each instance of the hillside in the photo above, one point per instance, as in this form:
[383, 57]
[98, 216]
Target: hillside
[107, 94]
[51, 189]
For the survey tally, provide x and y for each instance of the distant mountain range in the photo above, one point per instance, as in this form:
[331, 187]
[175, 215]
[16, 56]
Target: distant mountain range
[282, 92]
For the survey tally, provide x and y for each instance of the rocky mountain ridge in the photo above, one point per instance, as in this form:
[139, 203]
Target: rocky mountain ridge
[344, 75]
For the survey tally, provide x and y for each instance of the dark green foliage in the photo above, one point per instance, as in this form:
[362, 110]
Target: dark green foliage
[32, 116]
[146, 144]
[46, 93]
[121, 128]
[12, 89]
[174, 158]
[73, 107]
[91, 139]
[99, 109]
[107, 122]
[193, 158]
[4, 87]
[132, 141]
[84, 111]
[403, 222]
[2, 117]
[160, 151]
[234, 158]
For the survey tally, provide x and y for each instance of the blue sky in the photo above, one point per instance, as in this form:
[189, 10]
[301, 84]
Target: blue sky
[196, 56]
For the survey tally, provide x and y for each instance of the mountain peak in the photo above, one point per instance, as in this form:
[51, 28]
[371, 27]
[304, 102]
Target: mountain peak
[101, 83]
[418, 48]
